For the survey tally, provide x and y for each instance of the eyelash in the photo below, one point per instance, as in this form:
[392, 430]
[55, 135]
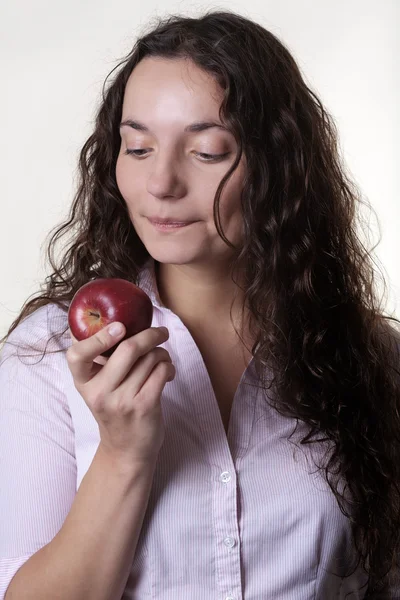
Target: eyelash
[211, 157]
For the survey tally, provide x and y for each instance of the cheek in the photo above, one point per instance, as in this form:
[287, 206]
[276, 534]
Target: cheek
[121, 178]
[231, 197]
[231, 209]
[124, 179]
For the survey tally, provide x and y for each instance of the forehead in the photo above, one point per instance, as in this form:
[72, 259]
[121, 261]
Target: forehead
[165, 89]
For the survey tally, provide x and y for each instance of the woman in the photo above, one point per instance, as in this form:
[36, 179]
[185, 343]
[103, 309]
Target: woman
[273, 330]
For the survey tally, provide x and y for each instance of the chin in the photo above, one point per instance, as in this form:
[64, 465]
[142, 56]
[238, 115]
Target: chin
[168, 250]
[170, 258]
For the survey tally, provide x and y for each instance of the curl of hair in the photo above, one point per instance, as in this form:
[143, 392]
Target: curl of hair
[309, 281]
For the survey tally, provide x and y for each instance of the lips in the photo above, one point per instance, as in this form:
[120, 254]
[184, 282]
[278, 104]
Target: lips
[157, 221]
[171, 226]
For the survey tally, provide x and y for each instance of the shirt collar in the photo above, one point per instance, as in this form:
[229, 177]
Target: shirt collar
[147, 281]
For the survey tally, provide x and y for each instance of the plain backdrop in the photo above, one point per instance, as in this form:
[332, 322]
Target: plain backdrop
[55, 56]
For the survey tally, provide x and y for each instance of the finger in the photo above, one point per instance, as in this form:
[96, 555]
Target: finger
[154, 385]
[127, 354]
[100, 360]
[81, 354]
[142, 370]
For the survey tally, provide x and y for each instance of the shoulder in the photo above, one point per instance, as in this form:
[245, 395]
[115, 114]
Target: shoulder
[46, 328]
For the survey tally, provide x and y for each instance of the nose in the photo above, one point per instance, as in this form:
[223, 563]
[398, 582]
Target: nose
[166, 178]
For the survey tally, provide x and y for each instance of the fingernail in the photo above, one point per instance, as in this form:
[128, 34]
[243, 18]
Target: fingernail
[115, 329]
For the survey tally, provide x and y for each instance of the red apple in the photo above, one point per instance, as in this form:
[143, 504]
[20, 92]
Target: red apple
[102, 301]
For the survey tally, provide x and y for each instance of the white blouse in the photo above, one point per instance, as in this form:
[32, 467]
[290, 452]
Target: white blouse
[242, 516]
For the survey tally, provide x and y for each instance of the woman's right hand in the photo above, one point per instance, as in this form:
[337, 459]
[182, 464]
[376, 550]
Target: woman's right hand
[124, 394]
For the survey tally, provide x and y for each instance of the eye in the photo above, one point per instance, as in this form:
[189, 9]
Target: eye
[134, 152]
[212, 157]
[138, 153]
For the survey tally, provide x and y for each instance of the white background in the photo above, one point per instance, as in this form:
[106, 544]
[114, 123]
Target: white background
[55, 56]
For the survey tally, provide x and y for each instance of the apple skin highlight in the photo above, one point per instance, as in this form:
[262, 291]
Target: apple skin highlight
[102, 301]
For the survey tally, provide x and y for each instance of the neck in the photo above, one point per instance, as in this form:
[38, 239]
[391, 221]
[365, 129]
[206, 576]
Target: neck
[200, 297]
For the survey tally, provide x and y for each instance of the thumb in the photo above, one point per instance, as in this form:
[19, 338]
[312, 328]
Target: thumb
[82, 354]
[100, 360]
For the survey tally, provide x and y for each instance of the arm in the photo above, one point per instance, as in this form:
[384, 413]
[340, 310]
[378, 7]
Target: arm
[91, 556]
[54, 539]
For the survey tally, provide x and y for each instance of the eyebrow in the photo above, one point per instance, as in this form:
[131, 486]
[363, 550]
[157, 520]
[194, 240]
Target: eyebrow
[192, 128]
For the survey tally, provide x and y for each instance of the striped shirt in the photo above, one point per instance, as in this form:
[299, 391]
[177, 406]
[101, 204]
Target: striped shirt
[238, 516]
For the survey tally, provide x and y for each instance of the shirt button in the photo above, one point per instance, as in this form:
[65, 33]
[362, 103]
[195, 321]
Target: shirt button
[229, 541]
[225, 477]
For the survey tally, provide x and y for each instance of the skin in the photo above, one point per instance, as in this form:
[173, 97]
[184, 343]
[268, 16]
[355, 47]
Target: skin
[170, 180]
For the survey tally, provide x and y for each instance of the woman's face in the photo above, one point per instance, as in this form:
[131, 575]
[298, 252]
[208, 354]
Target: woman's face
[171, 176]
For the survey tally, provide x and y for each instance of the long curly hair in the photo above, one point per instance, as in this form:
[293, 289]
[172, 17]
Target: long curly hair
[308, 279]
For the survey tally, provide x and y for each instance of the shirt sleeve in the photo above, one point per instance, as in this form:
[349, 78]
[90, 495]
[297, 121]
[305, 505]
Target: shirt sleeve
[37, 455]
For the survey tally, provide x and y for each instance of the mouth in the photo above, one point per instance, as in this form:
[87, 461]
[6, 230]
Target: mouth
[170, 226]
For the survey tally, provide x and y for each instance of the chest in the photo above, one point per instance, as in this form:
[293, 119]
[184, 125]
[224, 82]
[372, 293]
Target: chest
[225, 366]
